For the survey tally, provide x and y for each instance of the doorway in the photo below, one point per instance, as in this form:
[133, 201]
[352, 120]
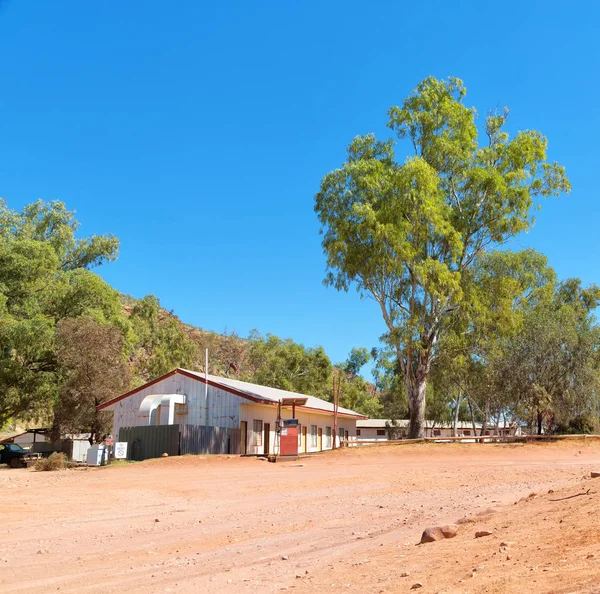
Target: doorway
[244, 437]
[267, 433]
[304, 438]
[320, 438]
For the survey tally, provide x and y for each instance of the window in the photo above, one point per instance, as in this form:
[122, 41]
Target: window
[437, 432]
[257, 433]
[380, 431]
[299, 435]
[313, 436]
[328, 437]
[358, 432]
[467, 432]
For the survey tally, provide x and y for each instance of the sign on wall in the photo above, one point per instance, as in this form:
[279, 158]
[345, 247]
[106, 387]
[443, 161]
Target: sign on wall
[121, 450]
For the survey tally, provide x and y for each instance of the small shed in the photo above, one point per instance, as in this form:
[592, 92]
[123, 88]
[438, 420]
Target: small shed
[74, 445]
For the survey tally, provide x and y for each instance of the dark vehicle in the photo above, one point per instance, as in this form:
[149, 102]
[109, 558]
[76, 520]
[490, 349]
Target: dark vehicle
[16, 457]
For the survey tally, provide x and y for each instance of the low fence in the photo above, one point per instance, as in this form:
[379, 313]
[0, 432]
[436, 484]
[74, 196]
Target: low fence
[201, 439]
[152, 441]
[469, 439]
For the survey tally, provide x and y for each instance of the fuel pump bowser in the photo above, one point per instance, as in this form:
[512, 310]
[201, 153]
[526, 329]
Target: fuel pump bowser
[288, 438]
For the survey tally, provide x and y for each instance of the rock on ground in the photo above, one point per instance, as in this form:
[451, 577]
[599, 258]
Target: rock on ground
[439, 533]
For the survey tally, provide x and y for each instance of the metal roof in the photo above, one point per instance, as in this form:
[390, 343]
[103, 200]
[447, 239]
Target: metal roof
[251, 392]
[274, 394]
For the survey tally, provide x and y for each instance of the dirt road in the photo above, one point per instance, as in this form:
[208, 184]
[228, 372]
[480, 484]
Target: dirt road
[346, 520]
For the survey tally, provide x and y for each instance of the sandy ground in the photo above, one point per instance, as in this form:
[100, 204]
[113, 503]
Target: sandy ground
[347, 520]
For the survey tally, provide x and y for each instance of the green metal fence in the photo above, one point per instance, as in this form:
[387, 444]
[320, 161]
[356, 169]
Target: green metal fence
[152, 441]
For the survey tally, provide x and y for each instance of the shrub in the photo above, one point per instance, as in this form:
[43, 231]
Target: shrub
[56, 461]
[585, 423]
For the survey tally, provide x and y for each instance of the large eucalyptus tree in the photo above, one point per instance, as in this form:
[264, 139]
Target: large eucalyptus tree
[405, 232]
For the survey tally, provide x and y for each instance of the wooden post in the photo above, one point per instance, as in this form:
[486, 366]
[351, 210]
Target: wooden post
[334, 417]
[336, 403]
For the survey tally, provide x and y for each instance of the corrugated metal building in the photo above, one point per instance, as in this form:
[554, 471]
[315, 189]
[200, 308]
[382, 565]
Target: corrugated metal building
[183, 397]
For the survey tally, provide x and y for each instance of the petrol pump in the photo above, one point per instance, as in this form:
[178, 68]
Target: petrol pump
[288, 428]
[289, 438]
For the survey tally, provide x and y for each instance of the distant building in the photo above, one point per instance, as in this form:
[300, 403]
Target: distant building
[386, 429]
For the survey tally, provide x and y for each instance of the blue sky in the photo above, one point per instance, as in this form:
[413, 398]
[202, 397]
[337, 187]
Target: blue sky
[198, 134]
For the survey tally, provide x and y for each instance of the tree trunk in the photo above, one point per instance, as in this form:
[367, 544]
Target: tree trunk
[457, 410]
[540, 419]
[472, 410]
[55, 431]
[416, 407]
[486, 415]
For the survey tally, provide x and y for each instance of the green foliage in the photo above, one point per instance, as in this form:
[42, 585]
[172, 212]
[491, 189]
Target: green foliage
[288, 365]
[550, 368]
[438, 405]
[161, 343]
[579, 425]
[356, 360]
[358, 395]
[44, 278]
[390, 385]
[92, 371]
[406, 232]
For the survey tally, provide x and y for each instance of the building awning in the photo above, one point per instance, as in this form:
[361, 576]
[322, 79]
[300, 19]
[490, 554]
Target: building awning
[293, 401]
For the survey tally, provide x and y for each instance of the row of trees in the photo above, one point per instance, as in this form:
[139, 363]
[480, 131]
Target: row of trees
[69, 341]
[527, 352]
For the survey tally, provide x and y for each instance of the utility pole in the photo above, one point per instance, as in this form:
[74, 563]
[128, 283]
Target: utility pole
[336, 403]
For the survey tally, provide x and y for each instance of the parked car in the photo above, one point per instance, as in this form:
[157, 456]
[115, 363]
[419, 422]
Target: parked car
[16, 457]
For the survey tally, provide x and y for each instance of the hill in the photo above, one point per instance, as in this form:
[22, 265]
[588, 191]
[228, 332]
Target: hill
[164, 342]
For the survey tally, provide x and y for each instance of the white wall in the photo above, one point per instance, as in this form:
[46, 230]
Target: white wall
[370, 433]
[268, 414]
[80, 449]
[223, 407]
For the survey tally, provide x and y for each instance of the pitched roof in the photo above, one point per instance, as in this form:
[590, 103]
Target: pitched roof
[253, 392]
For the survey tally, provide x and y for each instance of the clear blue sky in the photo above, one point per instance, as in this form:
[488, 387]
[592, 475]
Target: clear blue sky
[198, 134]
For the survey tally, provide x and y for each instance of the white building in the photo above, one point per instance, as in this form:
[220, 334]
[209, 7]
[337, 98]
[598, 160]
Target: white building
[386, 429]
[183, 397]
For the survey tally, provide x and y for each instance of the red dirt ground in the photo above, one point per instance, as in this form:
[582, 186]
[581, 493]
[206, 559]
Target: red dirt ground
[346, 520]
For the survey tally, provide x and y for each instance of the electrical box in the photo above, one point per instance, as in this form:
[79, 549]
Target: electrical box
[97, 455]
[288, 438]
